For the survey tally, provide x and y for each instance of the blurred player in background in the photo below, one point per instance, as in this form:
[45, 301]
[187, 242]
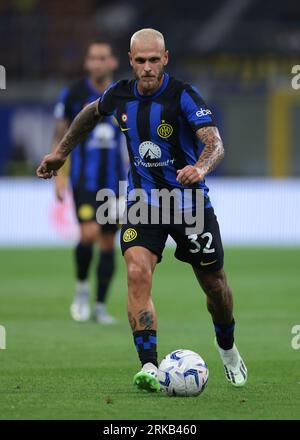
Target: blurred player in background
[97, 163]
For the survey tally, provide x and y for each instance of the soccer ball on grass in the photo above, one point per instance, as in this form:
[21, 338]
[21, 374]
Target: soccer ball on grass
[183, 373]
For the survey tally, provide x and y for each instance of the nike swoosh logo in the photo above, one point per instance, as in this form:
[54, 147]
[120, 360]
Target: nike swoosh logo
[207, 264]
[125, 129]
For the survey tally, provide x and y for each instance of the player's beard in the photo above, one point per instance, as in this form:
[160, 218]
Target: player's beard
[150, 86]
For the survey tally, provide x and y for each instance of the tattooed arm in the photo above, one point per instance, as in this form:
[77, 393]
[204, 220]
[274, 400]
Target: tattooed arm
[213, 151]
[212, 154]
[84, 122]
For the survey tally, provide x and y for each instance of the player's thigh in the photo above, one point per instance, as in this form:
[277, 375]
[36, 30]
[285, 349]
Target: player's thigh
[203, 251]
[141, 258]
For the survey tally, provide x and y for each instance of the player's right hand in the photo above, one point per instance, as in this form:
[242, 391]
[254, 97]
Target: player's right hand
[49, 165]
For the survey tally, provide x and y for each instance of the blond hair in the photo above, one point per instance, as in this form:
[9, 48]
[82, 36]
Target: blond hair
[146, 35]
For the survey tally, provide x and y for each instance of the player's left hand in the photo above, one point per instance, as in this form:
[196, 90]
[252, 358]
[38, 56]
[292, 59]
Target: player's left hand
[189, 175]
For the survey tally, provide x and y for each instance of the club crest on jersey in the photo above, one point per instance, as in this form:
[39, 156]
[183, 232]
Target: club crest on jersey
[124, 117]
[164, 130]
[129, 235]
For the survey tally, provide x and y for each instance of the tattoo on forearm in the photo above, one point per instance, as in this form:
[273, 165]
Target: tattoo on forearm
[132, 321]
[84, 122]
[146, 319]
[213, 150]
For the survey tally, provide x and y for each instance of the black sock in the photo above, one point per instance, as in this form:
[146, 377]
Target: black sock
[83, 258]
[105, 271]
[145, 342]
[225, 335]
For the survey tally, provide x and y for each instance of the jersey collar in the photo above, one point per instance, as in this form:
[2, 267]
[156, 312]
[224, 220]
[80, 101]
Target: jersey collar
[157, 93]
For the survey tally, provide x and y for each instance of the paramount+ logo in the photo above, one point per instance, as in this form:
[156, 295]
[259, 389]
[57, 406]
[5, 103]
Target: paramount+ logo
[2, 78]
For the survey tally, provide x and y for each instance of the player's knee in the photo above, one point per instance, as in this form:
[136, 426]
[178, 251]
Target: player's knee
[88, 235]
[87, 239]
[139, 276]
[107, 242]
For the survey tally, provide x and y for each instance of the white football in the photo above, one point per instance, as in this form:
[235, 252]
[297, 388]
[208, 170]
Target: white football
[183, 373]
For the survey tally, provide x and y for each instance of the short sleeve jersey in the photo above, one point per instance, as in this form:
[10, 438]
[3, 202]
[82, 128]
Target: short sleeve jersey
[160, 130]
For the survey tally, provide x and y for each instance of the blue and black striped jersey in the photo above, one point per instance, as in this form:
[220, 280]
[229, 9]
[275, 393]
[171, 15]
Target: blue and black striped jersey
[97, 162]
[160, 130]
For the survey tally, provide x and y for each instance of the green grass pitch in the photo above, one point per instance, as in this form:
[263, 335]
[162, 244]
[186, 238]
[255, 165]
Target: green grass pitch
[54, 368]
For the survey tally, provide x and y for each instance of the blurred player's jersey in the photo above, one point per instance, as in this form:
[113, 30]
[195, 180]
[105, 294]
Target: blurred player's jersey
[98, 161]
[160, 131]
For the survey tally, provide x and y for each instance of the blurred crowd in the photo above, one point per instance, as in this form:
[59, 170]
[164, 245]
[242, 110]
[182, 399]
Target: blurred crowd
[47, 38]
[239, 53]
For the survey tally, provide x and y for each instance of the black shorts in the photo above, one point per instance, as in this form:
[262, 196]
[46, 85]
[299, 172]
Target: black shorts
[204, 251]
[86, 207]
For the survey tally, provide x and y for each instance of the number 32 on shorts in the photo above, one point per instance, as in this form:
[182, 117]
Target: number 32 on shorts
[196, 246]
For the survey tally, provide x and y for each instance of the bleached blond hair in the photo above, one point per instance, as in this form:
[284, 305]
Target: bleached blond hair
[147, 35]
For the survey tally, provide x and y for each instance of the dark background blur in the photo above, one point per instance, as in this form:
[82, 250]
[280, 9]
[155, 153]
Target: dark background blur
[47, 39]
[238, 52]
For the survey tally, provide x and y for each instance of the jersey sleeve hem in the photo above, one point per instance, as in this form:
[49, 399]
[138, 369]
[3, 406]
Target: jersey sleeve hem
[196, 127]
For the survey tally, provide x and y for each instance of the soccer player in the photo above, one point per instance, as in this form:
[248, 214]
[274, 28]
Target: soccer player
[96, 163]
[173, 142]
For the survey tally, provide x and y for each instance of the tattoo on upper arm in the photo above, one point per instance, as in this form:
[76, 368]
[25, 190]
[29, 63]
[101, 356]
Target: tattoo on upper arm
[213, 150]
[84, 122]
